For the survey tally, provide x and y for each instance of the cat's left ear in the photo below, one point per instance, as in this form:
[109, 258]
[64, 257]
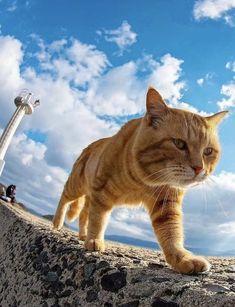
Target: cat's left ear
[156, 107]
[216, 118]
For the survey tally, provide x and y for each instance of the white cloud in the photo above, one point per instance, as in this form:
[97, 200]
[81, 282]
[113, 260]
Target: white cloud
[200, 81]
[121, 92]
[165, 76]
[214, 9]
[71, 60]
[230, 65]
[123, 36]
[227, 228]
[12, 7]
[207, 79]
[27, 149]
[11, 57]
[29, 174]
[229, 91]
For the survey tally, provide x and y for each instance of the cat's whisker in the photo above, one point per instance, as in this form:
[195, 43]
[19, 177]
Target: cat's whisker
[159, 188]
[218, 202]
[159, 171]
[159, 193]
[203, 192]
[165, 199]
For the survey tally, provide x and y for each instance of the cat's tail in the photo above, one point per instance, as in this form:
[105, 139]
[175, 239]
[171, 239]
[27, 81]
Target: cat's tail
[75, 208]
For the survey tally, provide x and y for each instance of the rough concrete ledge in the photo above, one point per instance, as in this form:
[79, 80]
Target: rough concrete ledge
[42, 267]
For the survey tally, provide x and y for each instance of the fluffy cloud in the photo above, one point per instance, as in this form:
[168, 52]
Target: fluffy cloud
[123, 36]
[200, 81]
[71, 60]
[121, 92]
[11, 57]
[214, 9]
[230, 65]
[12, 7]
[207, 79]
[229, 91]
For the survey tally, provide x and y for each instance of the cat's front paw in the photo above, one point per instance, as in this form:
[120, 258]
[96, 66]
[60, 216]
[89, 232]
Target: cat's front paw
[82, 237]
[191, 264]
[95, 245]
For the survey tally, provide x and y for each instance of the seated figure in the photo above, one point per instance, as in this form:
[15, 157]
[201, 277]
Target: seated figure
[11, 192]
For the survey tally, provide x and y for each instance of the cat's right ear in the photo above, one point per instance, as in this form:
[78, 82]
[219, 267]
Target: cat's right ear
[156, 107]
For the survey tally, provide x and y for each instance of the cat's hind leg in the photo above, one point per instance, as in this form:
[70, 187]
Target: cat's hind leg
[75, 208]
[83, 220]
[59, 217]
[71, 194]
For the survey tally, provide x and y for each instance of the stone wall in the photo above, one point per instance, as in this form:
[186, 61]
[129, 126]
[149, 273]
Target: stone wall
[42, 267]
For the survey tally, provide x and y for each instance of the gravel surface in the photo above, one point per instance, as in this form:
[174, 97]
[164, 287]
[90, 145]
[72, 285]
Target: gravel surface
[43, 267]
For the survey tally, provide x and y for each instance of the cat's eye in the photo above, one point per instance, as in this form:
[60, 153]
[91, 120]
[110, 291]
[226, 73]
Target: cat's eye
[208, 151]
[180, 144]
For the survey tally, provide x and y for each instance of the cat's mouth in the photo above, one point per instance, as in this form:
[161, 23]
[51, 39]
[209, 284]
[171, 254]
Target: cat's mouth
[186, 183]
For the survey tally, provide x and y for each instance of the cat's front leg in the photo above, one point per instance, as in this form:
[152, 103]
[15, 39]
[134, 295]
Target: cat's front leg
[166, 216]
[98, 218]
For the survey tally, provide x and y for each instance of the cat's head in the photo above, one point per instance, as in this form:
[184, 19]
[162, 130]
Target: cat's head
[174, 146]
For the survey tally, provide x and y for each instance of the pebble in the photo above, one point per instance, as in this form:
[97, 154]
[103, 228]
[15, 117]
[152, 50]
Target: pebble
[113, 282]
[231, 269]
[89, 269]
[52, 276]
[91, 296]
[130, 304]
[159, 302]
[215, 288]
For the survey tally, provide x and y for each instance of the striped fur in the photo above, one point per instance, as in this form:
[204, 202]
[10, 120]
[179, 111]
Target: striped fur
[142, 164]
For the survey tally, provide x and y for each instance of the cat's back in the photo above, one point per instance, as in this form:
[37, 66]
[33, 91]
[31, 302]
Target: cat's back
[103, 152]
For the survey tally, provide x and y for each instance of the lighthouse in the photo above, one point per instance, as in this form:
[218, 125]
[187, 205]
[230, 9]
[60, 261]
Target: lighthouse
[25, 104]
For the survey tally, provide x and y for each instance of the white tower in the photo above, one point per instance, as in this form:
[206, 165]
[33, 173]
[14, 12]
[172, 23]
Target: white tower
[25, 105]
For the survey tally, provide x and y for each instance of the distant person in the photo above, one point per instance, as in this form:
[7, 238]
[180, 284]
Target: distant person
[11, 192]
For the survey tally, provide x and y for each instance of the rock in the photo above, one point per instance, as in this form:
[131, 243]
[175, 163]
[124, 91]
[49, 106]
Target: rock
[52, 276]
[91, 296]
[66, 293]
[160, 279]
[158, 302]
[231, 269]
[130, 304]
[89, 270]
[44, 256]
[102, 264]
[87, 283]
[51, 268]
[113, 282]
[215, 288]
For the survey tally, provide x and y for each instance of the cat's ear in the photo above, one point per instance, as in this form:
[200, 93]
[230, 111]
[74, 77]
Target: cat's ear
[156, 107]
[216, 118]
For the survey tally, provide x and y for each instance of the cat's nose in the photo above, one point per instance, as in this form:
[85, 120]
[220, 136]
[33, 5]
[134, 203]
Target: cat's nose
[197, 169]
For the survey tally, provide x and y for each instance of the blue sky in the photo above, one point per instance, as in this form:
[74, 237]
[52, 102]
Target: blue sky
[90, 63]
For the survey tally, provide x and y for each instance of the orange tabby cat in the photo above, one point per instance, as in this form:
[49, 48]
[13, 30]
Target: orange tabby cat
[151, 160]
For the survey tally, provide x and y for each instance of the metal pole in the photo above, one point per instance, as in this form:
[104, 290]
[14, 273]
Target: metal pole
[10, 129]
[24, 105]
